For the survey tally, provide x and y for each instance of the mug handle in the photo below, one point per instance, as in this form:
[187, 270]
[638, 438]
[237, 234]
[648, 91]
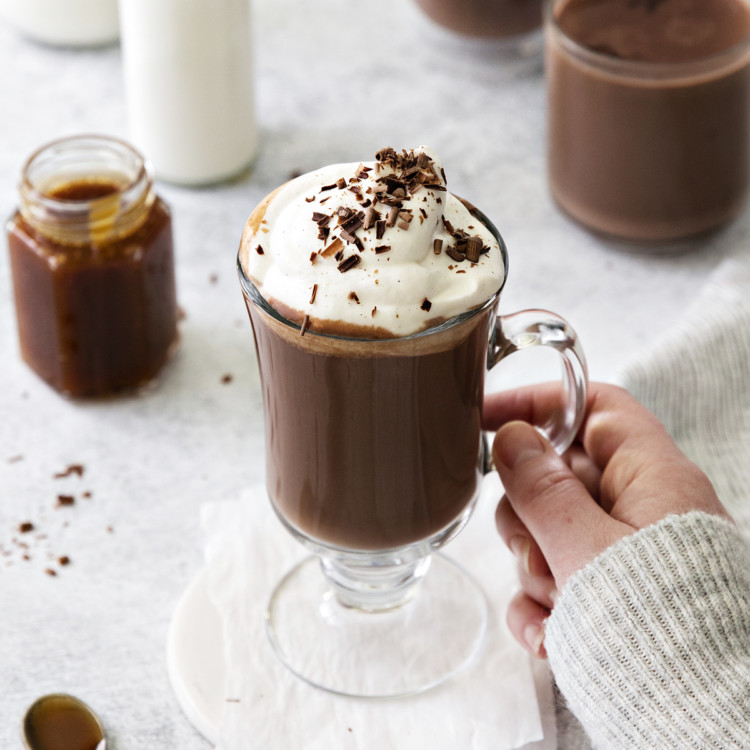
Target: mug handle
[522, 330]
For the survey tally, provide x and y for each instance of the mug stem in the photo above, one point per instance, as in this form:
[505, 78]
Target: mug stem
[361, 585]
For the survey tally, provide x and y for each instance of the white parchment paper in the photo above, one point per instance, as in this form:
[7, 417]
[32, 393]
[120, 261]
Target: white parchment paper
[492, 705]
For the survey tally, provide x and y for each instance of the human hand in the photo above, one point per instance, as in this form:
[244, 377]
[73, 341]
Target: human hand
[623, 473]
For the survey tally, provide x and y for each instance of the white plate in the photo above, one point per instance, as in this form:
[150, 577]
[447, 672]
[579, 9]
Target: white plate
[195, 658]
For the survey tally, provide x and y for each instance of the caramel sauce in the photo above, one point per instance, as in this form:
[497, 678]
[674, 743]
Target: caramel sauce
[83, 190]
[61, 722]
[98, 318]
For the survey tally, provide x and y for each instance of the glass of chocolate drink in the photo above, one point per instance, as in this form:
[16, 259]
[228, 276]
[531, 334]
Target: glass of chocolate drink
[516, 24]
[649, 114]
[373, 293]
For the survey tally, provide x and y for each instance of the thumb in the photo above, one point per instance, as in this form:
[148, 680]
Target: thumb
[566, 522]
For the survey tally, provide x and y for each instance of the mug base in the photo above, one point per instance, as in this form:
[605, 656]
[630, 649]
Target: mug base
[402, 651]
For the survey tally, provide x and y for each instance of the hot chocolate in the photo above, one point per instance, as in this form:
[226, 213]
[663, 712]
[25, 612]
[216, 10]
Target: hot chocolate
[372, 415]
[485, 18]
[649, 113]
[371, 445]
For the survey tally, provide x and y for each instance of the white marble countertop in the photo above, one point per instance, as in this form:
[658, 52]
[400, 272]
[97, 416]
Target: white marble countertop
[98, 628]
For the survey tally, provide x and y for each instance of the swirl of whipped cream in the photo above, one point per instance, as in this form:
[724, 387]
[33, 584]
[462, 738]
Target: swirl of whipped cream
[374, 250]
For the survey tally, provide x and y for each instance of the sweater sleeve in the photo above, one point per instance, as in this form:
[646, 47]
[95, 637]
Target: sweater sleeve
[650, 643]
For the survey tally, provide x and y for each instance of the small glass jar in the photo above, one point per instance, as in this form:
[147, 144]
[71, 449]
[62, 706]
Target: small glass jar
[93, 267]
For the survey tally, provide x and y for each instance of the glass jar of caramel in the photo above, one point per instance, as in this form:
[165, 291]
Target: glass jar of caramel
[93, 267]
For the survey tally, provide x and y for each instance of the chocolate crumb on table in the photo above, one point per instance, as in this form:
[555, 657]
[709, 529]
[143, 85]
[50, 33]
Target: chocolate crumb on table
[71, 469]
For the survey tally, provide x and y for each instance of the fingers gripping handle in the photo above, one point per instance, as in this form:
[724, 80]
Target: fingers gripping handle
[528, 328]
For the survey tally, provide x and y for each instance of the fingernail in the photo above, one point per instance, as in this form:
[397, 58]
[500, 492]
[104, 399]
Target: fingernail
[520, 546]
[533, 635]
[515, 443]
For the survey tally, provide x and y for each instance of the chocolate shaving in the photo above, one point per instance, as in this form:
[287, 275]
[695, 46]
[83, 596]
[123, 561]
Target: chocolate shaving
[371, 216]
[72, 469]
[320, 218]
[341, 183]
[380, 229]
[403, 225]
[353, 296]
[65, 500]
[314, 293]
[473, 249]
[327, 187]
[382, 249]
[313, 257]
[333, 248]
[374, 310]
[455, 254]
[26, 527]
[305, 325]
[437, 246]
[349, 263]
[350, 238]
[392, 216]
[354, 222]
[259, 250]
[426, 305]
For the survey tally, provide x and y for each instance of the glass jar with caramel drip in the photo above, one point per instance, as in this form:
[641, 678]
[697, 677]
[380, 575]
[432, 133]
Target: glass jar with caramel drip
[93, 267]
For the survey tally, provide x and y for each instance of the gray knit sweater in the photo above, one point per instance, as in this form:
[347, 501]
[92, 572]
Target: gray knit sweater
[650, 644]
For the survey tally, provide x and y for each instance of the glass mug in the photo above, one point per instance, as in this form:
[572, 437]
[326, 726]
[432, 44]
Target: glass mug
[374, 458]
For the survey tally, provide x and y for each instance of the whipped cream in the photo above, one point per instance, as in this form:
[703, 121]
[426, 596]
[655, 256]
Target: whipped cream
[378, 249]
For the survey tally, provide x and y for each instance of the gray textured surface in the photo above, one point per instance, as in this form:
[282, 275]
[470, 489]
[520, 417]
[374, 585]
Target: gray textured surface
[98, 628]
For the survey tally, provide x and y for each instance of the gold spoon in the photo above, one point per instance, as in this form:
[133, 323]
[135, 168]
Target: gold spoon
[62, 722]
